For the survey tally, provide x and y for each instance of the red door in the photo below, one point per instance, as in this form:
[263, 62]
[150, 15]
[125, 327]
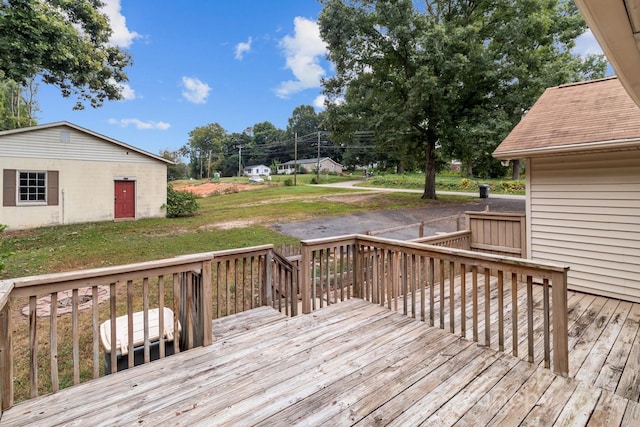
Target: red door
[125, 199]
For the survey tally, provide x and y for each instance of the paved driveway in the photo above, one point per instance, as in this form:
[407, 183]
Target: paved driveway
[379, 220]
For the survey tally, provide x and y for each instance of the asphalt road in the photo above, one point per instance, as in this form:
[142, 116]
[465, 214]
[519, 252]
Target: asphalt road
[363, 222]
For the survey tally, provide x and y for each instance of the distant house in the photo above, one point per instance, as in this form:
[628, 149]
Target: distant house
[257, 170]
[582, 147]
[61, 173]
[327, 165]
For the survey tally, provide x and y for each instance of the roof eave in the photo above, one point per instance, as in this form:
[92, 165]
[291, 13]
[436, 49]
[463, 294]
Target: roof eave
[89, 132]
[612, 24]
[586, 147]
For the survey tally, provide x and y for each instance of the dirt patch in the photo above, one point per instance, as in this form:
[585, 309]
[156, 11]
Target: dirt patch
[216, 188]
[351, 198]
[227, 225]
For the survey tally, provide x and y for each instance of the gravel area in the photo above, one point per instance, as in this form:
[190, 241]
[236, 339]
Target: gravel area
[372, 221]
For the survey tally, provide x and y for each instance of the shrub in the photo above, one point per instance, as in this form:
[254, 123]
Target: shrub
[3, 253]
[512, 186]
[314, 180]
[288, 182]
[180, 203]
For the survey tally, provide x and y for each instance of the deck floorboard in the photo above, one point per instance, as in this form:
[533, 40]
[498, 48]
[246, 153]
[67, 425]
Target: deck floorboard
[357, 363]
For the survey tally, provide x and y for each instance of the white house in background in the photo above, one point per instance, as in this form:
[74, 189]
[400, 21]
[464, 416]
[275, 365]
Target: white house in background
[327, 165]
[61, 173]
[257, 170]
[581, 142]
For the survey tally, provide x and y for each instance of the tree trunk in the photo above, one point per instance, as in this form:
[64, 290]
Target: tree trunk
[516, 170]
[430, 172]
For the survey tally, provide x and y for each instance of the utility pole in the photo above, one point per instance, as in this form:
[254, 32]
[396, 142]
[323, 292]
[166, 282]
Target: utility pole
[318, 167]
[295, 159]
[239, 161]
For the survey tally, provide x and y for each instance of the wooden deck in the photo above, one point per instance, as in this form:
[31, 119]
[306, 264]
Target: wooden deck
[358, 363]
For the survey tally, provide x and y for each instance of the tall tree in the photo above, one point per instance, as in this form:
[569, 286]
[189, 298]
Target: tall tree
[304, 122]
[178, 170]
[235, 148]
[18, 104]
[205, 149]
[266, 144]
[428, 75]
[66, 43]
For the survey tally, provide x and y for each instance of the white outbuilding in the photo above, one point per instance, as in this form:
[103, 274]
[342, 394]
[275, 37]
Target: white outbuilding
[61, 173]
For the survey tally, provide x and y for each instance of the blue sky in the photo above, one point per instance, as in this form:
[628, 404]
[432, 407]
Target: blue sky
[236, 63]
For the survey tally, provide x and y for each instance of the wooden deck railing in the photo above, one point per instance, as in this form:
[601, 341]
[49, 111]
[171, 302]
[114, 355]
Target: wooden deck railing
[6, 371]
[457, 239]
[464, 291]
[430, 283]
[63, 350]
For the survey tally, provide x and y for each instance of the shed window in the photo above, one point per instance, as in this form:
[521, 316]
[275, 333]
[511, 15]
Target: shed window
[32, 187]
[29, 187]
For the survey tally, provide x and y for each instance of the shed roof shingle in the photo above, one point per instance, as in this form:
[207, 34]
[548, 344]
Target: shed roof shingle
[574, 117]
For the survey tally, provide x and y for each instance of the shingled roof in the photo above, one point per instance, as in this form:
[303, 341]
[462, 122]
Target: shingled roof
[588, 116]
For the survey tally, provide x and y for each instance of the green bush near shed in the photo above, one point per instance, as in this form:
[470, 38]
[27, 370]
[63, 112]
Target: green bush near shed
[180, 203]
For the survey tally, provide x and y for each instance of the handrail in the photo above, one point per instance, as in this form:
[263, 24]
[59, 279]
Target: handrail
[243, 279]
[57, 282]
[390, 271]
[6, 372]
[285, 280]
[445, 239]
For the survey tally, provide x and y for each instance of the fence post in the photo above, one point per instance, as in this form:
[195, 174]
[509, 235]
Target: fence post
[268, 278]
[6, 350]
[357, 270]
[207, 304]
[305, 278]
[560, 323]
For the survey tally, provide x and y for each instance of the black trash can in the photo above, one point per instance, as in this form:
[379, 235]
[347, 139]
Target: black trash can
[484, 191]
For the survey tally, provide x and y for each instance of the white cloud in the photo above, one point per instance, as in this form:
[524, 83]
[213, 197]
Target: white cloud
[121, 36]
[127, 92]
[319, 102]
[194, 90]
[139, 124]
[587, 44]
[303, 52]
[242, 48]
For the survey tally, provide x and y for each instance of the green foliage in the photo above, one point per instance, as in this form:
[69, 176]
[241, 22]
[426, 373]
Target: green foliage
[178, 170]
[445, 182]
[180, 203]
[511, 187]
[4, 253]
[206, 149]
[288, 182]
[17, 104]
[66, 43]
[447, 75]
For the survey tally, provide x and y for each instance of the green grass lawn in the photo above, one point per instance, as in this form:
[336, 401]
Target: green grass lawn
[446, 182]
[223, 222]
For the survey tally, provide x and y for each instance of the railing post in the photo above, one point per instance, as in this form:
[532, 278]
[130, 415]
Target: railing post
[305, 279]
[207, 304]
[6, 352]
[357, 270]
[268, 278]
[560, 323]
